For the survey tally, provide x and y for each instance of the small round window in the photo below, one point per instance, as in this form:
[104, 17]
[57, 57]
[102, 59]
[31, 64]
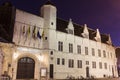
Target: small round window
[52, 23]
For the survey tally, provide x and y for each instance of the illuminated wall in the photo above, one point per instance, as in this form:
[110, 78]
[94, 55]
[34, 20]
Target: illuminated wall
[1, 61]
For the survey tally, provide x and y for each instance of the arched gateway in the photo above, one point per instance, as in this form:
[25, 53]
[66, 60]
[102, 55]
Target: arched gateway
[25, 68]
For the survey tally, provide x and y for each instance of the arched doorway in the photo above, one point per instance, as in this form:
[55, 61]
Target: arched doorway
[25, 68]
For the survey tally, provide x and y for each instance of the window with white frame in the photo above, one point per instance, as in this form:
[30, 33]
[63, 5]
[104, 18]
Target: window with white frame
[111, 55]
[70, 63]
[63, 61]
[105, 65]
[87, 62]
[86, 50]
[79, 63]
[93, 64]
[100, 65]
[78, 49]
[93, 52]
[70, 31]
[58, 61]
[99, 52]
[104, 53]
[60, 46]
[70, 48]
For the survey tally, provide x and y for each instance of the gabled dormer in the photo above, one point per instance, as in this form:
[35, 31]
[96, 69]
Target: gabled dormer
[98, 36]
[85, 33]
[70, 27]
[109, 40]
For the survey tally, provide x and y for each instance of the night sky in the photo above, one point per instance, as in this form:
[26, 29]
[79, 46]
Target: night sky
[102, 14]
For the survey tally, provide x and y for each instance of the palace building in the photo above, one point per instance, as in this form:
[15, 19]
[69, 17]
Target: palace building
[44, 47]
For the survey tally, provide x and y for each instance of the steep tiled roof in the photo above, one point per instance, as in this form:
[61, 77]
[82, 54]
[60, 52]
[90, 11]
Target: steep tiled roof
[78, 30]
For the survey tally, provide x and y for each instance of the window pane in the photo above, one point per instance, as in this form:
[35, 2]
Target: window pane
[86, 50]
[58, 61]
[104, 53]
[100, 65]
[70, 31]
[70, 63]
[79, 63]
[87, 62]
[93, 64]
[63, 61]
[99, 52]
[78, 49]
[70, 48]
[105, 65]
[93, 52]
[60, 46]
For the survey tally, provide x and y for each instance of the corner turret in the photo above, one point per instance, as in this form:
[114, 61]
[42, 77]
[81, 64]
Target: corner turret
[48, 12]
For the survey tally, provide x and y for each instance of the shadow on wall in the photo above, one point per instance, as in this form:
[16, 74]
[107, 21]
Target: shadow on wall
[117, 51]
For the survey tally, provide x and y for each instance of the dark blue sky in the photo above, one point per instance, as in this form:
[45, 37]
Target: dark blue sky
[102, 14]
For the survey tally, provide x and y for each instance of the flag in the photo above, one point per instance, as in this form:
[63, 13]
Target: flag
[43, 34]
[28, 31]
[38, 35]
[34, 33]
[23, 30]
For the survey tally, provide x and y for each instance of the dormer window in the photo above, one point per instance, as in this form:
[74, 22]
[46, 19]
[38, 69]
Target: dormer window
[70, 31]
[70, 28]
[97, 37]
[85, 33]
[109, 41]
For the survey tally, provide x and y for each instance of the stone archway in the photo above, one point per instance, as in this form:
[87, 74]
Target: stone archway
[25, 68]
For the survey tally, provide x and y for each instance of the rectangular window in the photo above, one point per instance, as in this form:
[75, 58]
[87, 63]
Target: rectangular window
[87, 62]
[63, 61]
[79, 63]
[70, 63]
[104, 53]
[70, 31]
[78, 49]
[93, 64]
[100, 65]
[99, 52]
[111, 55]
[60, 46]
[105, 65]
[86, 50]
[70, 48]
[108, 54]
[93, 52]
[58, 61]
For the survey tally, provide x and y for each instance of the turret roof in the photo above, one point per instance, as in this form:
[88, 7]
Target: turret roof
[49, 3]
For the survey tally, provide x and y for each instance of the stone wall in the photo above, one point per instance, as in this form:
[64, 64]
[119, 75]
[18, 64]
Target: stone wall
[1, 61]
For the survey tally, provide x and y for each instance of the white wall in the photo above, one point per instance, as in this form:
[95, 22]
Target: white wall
[28, 20]
[61, 71]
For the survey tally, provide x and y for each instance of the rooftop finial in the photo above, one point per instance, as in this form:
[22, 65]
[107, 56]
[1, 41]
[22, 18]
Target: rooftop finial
[70, 20]
[49, 2]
